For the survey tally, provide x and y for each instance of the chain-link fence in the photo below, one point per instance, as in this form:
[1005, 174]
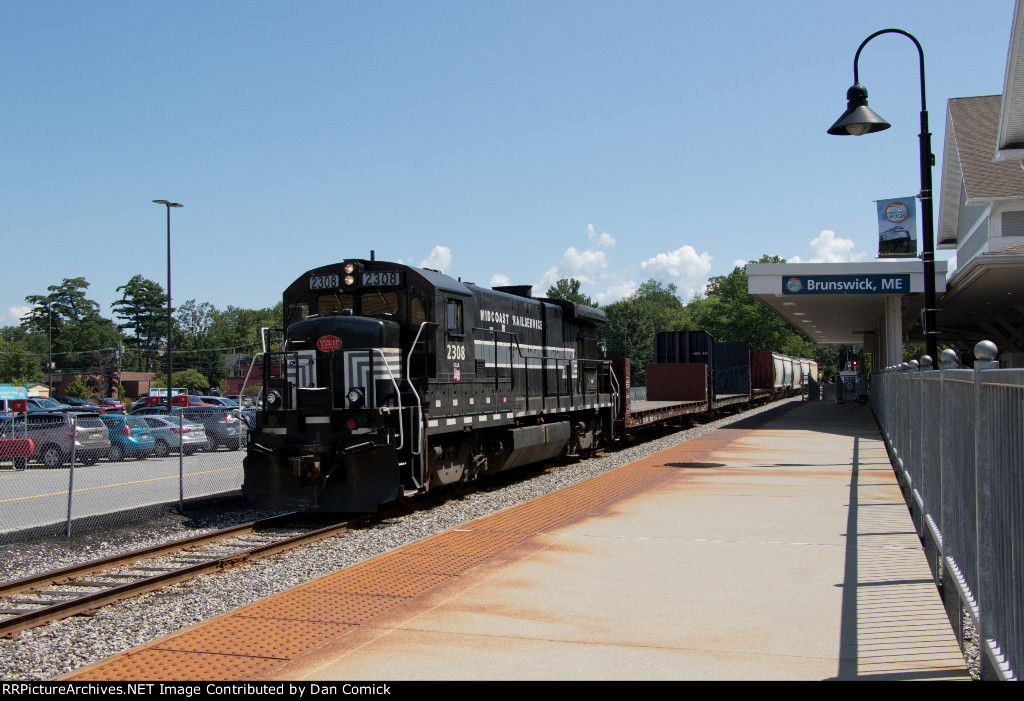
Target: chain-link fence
[83, 470]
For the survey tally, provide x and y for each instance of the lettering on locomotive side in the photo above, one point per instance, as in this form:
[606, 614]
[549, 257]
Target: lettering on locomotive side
[524, 322]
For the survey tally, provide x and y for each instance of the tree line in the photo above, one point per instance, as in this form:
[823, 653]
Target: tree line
[725, 310]
[66, 325]
[64, 322]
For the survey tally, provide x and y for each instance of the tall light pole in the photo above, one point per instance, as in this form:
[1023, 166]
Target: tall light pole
[170, 374]
[859, 119]
[49, 350]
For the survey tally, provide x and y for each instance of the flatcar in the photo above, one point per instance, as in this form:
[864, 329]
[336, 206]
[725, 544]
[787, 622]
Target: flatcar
[394, 380]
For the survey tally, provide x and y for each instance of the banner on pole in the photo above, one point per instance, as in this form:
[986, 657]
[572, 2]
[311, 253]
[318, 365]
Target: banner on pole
[897, 228]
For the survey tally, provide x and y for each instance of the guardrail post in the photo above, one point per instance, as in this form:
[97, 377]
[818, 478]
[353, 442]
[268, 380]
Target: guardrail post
[985, 353]
[947, 496]
[71, 472]
[181, 463]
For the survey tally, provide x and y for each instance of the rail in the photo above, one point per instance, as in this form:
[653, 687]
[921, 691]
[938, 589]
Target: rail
[956, 439]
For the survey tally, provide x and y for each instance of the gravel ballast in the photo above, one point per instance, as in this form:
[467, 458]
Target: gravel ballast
[58, 648]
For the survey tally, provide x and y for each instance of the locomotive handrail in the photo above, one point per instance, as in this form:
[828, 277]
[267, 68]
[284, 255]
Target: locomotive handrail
[398, 393]
[245, 381]
[373, 384]
[418, 450]
[513, 339]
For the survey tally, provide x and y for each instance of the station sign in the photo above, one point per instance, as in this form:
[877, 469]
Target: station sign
[876, 284]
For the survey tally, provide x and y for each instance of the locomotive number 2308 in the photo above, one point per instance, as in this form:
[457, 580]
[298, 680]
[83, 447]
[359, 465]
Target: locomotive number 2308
[455, 351]
[324, 282]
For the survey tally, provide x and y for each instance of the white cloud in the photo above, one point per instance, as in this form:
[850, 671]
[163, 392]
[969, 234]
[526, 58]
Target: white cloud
[15, 312]
[739, 263]
[440, 258]
[603, 240]
[547, 280]
[615, 292]
[499, 280]
[829, 248]
[683, 266]
[585, 265]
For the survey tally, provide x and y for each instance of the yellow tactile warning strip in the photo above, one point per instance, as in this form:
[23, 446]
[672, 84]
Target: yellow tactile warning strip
[254, 640]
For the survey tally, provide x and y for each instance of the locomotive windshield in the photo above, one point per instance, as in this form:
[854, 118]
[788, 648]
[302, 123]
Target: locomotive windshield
[369, 303]
[374, 303]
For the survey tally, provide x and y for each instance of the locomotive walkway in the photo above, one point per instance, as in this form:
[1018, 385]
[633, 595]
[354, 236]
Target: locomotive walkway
[777, 548]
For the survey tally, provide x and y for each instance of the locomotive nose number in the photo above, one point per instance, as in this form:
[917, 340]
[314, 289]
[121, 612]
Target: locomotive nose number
[324, 282]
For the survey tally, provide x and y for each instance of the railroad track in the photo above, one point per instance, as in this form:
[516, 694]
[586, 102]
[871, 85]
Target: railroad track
[80, 589]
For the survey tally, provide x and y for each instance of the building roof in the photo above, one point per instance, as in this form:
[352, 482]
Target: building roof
[1010, 141]
[976, 123]
[970, 174]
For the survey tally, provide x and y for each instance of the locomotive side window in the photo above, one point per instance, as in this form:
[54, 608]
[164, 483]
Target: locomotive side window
[417, 314]
[297, 312]
[335, 303]
[453, 317]
[377, 303]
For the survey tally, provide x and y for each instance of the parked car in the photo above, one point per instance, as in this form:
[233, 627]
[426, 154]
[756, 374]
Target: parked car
[218, 401]
[77, 404]
[109, 404]
[170, 437]
[176, 400]
[45, 404]
[54, 433]
[244, 400]
[223, 426]
[130, 437]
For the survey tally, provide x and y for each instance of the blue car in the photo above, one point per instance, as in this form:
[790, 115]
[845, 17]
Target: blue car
[130, 437]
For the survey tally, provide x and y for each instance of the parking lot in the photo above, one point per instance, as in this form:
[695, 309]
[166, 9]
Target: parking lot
[38, 497]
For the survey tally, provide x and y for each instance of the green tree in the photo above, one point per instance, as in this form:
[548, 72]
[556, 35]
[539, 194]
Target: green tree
[142, 308]
[634, 321]
[190, 379]
[78, 389]
[729, 313]
[73, 322]
[17, 364]
[569, 290]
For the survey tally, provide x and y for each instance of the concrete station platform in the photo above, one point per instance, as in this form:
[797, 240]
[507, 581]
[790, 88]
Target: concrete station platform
[778, 548]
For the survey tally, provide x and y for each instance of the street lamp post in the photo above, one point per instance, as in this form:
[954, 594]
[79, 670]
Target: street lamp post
[859, 119]
[169, 355]
[49, 350]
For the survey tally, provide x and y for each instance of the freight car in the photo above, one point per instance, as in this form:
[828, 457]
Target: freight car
[775, 376]
[395, 380]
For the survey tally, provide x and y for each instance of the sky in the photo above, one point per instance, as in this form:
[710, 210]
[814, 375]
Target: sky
[503, 142]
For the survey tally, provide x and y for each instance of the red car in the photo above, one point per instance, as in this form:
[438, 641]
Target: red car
[176, 400]
[109, 405]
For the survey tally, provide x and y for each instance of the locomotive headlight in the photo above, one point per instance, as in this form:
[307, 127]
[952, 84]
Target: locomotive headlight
[273, 398]
[355, 395]
[350, 280]
[350, 268]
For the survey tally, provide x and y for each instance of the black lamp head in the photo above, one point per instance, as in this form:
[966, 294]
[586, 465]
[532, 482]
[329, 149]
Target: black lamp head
[858, 118]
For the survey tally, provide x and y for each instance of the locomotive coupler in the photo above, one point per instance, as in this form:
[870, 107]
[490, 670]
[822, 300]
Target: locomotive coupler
[305, 469]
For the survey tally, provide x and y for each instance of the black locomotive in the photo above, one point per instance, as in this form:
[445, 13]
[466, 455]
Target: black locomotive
[394, 380]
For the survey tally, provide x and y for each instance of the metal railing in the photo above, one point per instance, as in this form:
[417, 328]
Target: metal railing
[956, 439]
